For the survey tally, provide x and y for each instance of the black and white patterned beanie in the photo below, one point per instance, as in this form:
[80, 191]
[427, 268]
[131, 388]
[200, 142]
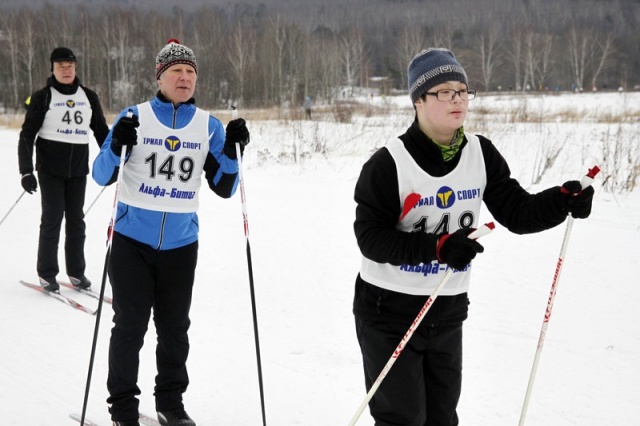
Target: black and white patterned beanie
[431, 67]
[174, 53]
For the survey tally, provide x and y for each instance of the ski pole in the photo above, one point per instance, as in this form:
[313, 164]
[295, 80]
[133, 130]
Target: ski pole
[586, 181]
[105, 270]
[94, 200]
[234, 115]
[12, 207]
[481, 231]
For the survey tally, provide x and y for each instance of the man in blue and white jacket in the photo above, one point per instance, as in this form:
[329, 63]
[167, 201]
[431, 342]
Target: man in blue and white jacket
[170, 144]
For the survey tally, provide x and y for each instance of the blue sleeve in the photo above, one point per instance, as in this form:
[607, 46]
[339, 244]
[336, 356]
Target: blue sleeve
[106, 163]
[216, 147]
[221, 171]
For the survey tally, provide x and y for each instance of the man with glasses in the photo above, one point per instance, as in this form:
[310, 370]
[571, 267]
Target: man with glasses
[417, 200]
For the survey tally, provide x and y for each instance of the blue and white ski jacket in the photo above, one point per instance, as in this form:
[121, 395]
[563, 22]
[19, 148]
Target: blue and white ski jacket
[164, 230]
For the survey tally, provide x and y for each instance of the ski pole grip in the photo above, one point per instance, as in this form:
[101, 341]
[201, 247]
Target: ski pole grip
[588, 179]
[482, 231]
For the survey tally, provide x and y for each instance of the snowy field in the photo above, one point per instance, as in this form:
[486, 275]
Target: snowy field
[299, 179]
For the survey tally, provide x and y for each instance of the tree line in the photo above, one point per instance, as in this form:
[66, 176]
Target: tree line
[256, 57]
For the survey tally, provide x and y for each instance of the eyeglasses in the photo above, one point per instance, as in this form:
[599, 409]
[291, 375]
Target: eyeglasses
[447, 95]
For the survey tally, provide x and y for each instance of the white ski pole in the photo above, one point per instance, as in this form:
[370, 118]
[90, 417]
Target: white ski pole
[586, 181]
[234, 115]
[481, 231]
[12, 207]
[94, 200]
[112, 225]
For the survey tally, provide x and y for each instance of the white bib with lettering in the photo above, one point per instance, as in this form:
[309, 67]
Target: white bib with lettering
[164, 170]
[442, 204]
[68, 118]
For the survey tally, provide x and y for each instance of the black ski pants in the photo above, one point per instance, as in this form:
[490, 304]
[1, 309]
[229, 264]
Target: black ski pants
[144, 280]
[61, 197]
[423, 386]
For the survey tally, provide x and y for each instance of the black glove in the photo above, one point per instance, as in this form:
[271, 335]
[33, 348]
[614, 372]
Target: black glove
[29, 183]
[124, 133]
[576, 200]
[237, 132]
[456, 249]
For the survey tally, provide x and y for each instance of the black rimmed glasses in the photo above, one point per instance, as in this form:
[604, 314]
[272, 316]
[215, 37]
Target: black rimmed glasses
[447, 95]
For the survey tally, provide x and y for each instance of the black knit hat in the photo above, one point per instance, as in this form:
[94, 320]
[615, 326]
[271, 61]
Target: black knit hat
[174, 53]
[431, 67]
[62, 54]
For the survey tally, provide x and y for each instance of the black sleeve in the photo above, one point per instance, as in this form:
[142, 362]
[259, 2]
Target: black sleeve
[98, 122]
[224, 188]
[33, 120]
[377, 213]
[510, 204]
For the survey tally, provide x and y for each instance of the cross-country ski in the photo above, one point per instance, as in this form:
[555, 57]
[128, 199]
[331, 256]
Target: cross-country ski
[144, 419]
[60, 297]
[88, 291]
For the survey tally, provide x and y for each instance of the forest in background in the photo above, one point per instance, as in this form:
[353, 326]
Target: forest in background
[276, 52]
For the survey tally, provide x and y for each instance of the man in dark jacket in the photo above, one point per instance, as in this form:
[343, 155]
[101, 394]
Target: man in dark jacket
[417, 200]
[58, 121]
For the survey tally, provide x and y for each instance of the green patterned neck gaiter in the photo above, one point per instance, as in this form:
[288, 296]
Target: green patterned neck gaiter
[449, 151]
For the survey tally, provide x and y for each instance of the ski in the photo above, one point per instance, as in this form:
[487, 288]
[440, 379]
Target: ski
[145, 420]
[78, 418]
[87, 291]
[148, 421]
[61, 297]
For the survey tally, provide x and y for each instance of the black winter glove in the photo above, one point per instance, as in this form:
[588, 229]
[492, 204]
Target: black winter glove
[29, 183]
[237, 132]
[456, 249]
[576, 200]
[124, 133]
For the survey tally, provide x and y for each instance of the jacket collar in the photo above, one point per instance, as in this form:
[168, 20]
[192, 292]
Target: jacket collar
[162, 98]
[66, 89]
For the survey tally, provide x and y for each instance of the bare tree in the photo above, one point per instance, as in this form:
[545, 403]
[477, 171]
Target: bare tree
[208, 33]
[605, 49]
[444, 36]
[105, 32]
[327, 53]
[530, 59]
[85, 40]
[579, 42]
[352, 57]
[546, 48]
[515, 54]
[57, 28]
[411, 43]
[300, 51]
[488, 44]
[10, 30]
[241, 50]
[28, 44]
[298, 61]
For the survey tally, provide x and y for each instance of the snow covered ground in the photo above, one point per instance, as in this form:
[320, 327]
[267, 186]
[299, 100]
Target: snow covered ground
[299, 183]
